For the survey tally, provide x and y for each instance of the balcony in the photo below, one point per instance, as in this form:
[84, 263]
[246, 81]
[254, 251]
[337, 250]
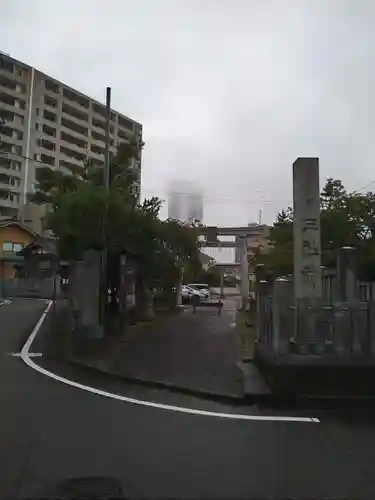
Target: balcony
[73, 141]
[124, 122]
[50, 116]
[75, 113]
[50, 131]
[99, 124]
[48, 159]
[68, 166]
[124, 134]
[73, 155]
[95, 161]
[12, 85]
[10, 169]
[74, 127]
[8, 182]
[51, 86]
[8, 198]
[10, 147]
[51, 102]
[11, 134]
[10, 103]
[97, 137]
[76, 98]
[6, 65]
[47, 144]
[97, 150]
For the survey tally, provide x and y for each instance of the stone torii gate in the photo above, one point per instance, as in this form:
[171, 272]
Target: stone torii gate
[243, 237]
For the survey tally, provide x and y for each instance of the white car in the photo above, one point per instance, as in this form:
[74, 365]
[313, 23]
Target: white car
[203, 288]
[187, 293]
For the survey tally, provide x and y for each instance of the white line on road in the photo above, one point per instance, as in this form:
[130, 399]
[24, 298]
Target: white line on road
[31, 354]
[25, 356]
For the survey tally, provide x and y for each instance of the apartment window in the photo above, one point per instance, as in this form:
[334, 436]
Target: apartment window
[49, 131]
[48, 160]
[14, 197]
[73, 96]
[46, 144]
[52, 86]
[113, 117]
[16, 165]
[9, 246]
[37, 111]
[17, 150]
[48, 115]
[6, 65]
[19, 119]
[70, 110]
[20, 87]
[75, 127]
[50, 101]
[18, 135]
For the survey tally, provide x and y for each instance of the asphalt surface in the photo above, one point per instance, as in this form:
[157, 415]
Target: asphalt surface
[197, 352]
[51, 433]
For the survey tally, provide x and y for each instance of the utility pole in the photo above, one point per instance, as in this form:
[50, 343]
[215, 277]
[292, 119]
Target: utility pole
[106, 182]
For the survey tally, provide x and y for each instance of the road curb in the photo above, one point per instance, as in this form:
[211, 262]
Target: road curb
[162, 384]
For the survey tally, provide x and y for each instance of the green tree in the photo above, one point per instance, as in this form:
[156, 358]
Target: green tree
[347, 218]
[80, 209]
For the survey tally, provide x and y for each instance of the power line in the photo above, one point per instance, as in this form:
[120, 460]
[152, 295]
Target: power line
[6, 154]
[214, 199]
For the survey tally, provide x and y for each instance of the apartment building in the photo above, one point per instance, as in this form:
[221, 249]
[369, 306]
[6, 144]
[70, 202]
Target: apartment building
[185, 201]
[45, 122]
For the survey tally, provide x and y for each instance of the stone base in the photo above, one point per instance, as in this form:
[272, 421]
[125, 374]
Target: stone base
[330, 376]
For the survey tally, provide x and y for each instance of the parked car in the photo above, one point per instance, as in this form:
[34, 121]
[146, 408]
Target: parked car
[187, 293]
[202, 288]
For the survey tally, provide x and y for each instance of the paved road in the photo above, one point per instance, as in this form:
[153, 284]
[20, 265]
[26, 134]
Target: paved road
[197, 352]
[51, 432]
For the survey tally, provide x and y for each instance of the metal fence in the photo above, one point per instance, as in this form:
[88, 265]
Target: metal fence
[340, 329]
[44, 288]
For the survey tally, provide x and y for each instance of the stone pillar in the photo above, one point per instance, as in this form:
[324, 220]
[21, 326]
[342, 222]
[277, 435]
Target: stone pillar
[84, 286]
[221, 282]
[347, 274]
[179, 287]
[262, 324]
[283, 327]
[244, 275]
[306, 230]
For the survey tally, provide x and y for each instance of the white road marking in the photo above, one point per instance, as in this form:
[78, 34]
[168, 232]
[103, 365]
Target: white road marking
[4, 302]
[31, 354]
[25, 356]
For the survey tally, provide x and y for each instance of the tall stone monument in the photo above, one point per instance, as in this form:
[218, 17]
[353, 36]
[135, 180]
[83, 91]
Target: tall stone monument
[306, 230]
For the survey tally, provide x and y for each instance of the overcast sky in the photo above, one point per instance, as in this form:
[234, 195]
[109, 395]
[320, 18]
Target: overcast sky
[229, 92]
